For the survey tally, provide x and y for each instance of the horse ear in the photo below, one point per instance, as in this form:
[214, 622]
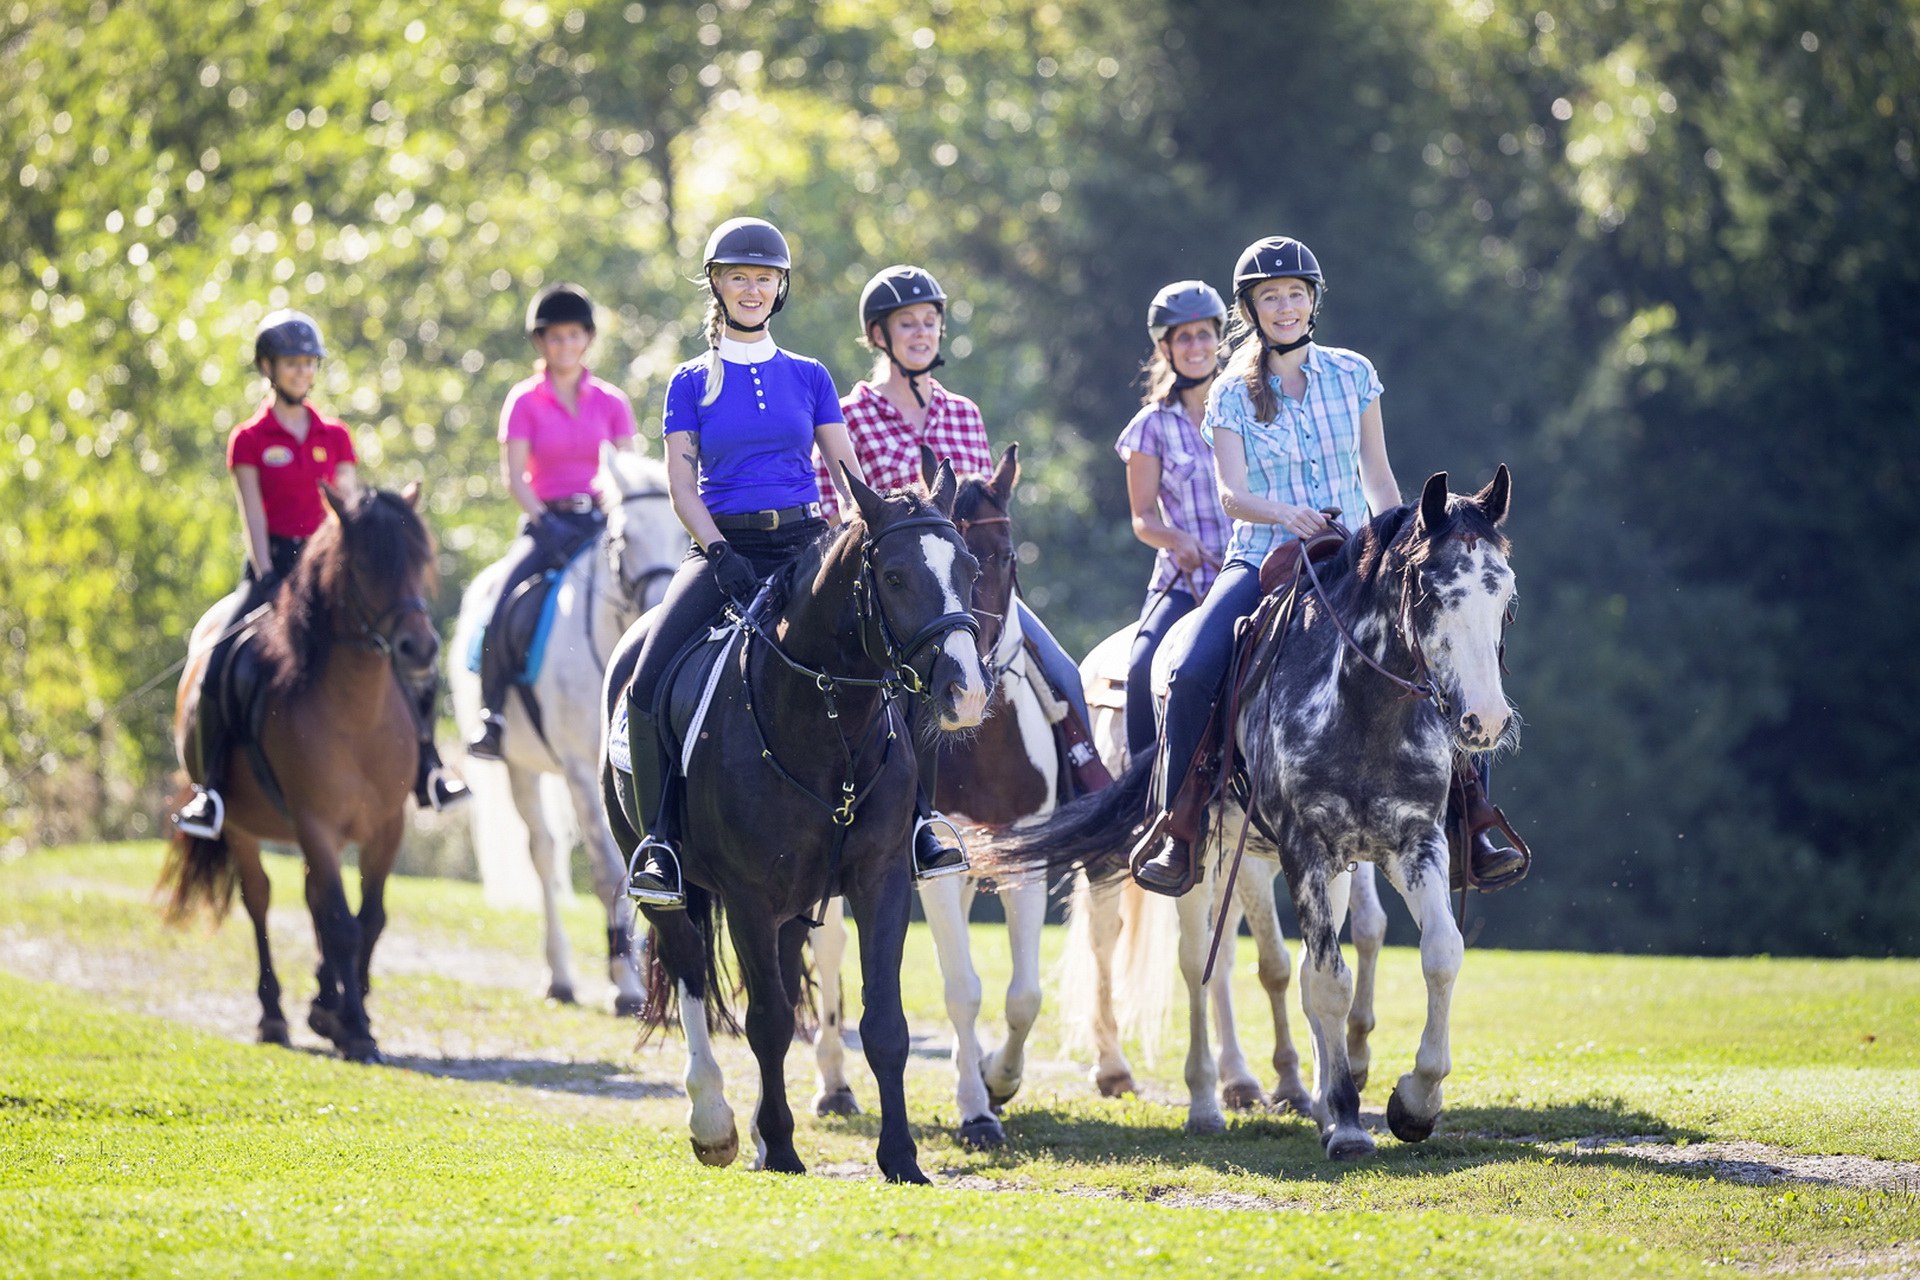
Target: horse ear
[929, 466]
[1007, 474]
[945, 489]
[411, 495]
[1499, 492]
[1433, 503]
[873, 507]
[337, 503]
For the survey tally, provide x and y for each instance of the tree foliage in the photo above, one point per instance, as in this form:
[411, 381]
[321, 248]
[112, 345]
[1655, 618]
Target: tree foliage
[1659, 258]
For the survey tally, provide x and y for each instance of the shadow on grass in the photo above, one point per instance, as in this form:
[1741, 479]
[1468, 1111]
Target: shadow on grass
[590, 1079]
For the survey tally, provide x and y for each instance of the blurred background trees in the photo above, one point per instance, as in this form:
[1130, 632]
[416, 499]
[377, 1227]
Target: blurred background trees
[1662, 259]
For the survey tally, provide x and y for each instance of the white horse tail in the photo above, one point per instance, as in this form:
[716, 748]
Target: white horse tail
[1146, 963]
[1077, 976]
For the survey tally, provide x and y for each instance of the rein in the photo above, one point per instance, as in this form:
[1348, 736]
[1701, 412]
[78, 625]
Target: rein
[632, 591]
[897, 676]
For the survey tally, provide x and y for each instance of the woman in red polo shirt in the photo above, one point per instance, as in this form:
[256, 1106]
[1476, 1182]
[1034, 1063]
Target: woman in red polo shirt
[279, 460]
[551, 429]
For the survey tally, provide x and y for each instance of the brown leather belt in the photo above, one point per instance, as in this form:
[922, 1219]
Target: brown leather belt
[769, 520]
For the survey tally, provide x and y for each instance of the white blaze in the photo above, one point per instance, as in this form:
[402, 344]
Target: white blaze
[971, 704]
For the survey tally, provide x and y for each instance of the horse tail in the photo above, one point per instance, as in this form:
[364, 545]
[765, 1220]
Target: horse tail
[1092, 831]
[197, 873]
[1145, 963]
[713, 984]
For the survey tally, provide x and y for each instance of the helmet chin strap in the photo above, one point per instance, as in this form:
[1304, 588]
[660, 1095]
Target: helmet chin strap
[281, 395]
[913, 376]
[779, 301]
[1281, 349]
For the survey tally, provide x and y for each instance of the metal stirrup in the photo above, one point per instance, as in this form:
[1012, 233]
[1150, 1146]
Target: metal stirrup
[210, 831]
[654, 898]
[960, 868]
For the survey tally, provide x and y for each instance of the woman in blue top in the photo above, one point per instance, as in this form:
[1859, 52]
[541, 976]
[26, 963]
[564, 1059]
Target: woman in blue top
[741, 425]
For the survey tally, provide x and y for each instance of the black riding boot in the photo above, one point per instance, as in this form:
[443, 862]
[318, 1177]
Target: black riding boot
[653, 870]
[433, 786]
[485, 745]
[933, 857]
[1162, 861]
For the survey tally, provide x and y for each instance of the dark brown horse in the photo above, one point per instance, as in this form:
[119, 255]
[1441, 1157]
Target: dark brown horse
[348, 628]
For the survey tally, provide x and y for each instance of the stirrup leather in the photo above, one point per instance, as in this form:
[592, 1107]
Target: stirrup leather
[664, 853]
[960, 868]
[204, 830]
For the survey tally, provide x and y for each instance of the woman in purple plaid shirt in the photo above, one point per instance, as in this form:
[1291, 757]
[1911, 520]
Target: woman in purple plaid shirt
[1170, 479]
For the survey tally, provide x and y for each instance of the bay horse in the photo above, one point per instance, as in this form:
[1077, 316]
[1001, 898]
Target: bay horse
[1349, 762]
[1004, 773]
[621, 573]
[347, 632]
[800, 786]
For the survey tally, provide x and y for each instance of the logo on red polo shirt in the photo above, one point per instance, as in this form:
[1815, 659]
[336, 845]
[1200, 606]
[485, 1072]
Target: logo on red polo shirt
[319, 453]
[276, 455]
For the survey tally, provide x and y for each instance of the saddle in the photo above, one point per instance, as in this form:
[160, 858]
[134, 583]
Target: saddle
[233, 706]
[639, 736]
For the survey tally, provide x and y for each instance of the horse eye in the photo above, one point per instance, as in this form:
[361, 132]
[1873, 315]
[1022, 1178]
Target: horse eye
[893, 579]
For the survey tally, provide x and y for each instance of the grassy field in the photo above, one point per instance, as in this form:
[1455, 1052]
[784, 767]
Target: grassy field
[140, 1136]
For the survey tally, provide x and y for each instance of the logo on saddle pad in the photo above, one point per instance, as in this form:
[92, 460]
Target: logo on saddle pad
[277, 455]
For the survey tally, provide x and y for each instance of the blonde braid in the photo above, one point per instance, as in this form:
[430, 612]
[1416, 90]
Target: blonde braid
[716, 367]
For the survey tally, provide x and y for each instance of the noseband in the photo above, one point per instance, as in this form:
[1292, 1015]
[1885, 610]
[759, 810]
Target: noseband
[376, 632]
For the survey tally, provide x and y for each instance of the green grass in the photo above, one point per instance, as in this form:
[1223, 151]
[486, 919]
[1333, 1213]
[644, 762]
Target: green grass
[136, 1146]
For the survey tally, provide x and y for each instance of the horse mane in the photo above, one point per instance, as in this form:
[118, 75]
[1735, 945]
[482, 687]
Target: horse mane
[976, 491]
[386, 537]
[1393, 540]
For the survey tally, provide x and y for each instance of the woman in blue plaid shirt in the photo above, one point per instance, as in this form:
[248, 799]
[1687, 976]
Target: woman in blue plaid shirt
[1295, 427]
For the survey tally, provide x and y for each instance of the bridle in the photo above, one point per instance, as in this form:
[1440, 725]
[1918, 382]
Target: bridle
[877, 637]
[995, 669]
[632, 590]
[376, 631]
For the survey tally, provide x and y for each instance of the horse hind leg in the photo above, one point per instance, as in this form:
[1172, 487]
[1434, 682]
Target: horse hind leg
[1326, 993]
[1276, 976]
[1202, 1073]
[1414, 1107]
[525, 784]
[680, 949]
[1367, 921]
[1026, 908]
[609, 885]
[1239, 1088]
[829, 944]
[256, 892]
[1101, 907]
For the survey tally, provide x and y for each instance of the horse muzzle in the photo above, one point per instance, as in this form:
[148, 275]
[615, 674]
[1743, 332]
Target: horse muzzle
[959, 683]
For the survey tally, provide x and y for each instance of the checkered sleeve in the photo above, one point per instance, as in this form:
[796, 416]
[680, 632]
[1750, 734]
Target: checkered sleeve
[959, 434]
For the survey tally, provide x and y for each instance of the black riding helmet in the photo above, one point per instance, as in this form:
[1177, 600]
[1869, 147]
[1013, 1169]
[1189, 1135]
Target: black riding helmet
[895, 287]
[749, 242]
[287, 333]
[1279, 258]
[1181, 303]
[560, 304]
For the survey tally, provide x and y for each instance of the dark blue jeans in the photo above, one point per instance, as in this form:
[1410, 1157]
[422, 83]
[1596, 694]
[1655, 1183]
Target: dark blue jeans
[1062, 672]
[1199, 671]
[1161, 611]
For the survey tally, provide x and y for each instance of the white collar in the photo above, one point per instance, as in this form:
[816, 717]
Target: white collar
[733, 351]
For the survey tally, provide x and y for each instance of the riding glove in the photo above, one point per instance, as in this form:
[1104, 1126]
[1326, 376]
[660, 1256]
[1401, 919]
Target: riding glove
[732, 572]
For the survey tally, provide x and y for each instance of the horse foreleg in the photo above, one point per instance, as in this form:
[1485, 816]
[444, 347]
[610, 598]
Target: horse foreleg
[881, 913]
[376, 864]
[609, 885]
[1415, 1104]
[257, 893]
[1239, 1087]
[829, 944]
[1203, 1079]
[1026, 907]
[1112, 1074]
[1276, 975]
[1326, 993]
[525, 784]
[680, 950]
[1367, 921]
[945, 901]
[769, 1024]
[337, 1012]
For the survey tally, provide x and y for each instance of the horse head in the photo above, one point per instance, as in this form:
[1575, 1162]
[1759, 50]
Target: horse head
[980, 513]
[920, 576]
[645, 539]
[376, 562]
[1455, 605]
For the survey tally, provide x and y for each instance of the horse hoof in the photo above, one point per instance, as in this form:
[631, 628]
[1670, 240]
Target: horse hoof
[325, 1022]
[274, 1031]
[718, 1154]
[1115, 1086]
[1205, 1126]
[1243, 1096]
[982, 1133]
[1360, 1080]
[840, 1102]
[909, 1174]
[362, 1050]
[1405, 1125]
[628, 1006]
[1295, 1101]
[1349, 1144]
[560, 994]
[785, 1162]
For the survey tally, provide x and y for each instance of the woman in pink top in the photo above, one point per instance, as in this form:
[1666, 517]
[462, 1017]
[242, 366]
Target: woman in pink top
[551, 430]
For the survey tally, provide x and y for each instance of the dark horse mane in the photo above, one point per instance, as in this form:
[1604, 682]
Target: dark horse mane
[1392, 541]
[381, 533]
[976, 491]
[800, 572]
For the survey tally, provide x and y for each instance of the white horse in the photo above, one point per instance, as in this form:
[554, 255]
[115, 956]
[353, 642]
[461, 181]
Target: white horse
[1117, 930]
[1006, 775]
[600, 594]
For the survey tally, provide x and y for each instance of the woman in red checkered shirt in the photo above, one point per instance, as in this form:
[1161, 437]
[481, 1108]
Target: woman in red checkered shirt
[903, 406]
